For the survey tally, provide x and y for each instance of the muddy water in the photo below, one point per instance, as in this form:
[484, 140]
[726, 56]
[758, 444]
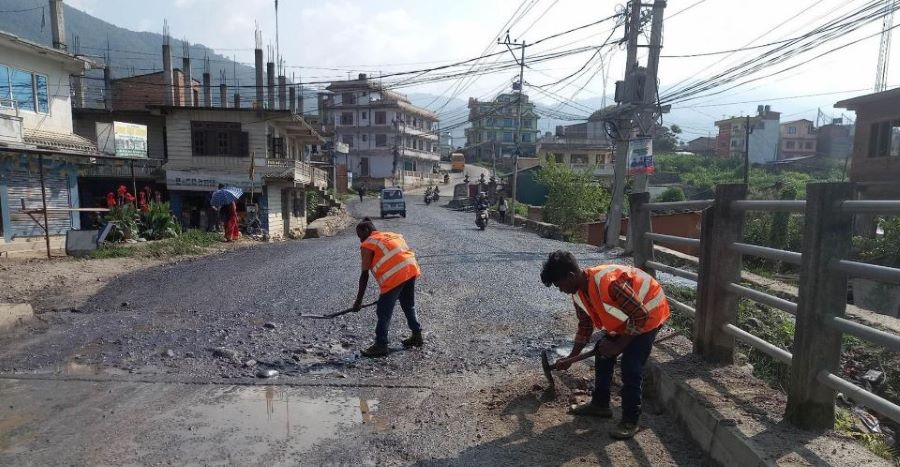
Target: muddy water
[52, 422]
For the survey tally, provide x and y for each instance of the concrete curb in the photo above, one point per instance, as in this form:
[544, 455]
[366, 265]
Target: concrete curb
[715, 435]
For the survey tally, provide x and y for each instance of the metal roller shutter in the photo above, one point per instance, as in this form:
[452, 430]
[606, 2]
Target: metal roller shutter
[26, 184]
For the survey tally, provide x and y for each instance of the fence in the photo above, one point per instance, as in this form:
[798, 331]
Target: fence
[822, 299]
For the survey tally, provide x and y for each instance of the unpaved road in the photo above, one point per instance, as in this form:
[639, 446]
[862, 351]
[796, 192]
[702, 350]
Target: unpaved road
[135, 377]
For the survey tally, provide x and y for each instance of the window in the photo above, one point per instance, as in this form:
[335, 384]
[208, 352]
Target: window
[225, 139]
[348, 140]
[884, 139]
[380, 141]
[28, 90]
[808, 145]
[363, 137]
[364, 166]
[579, 159]
[277, 147]
[346, 118]
[398, 116]
[507, 137]
[348, 98]
[489, 121]
[364, 116]
[895, 139]
[492, 136]
[526, 137]
[507, 123]
[792, 130]
[789, 145]
[559, 157]
[526, 123]
[599, 159]
[380, 118]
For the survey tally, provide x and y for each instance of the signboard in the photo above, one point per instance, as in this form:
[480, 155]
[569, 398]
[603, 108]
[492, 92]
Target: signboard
[127, 140]
[185, 180]
[640, 156]
[342, 148]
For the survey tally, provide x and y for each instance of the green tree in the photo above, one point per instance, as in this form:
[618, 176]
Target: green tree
[674, 193]
[666, 139]
[573, 197]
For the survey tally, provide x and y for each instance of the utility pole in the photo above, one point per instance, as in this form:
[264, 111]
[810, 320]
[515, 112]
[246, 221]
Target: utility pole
[624, 126]
[747, 132]
[521, 61]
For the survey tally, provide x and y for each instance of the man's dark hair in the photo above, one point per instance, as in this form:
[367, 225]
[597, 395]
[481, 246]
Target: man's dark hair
[558, 265]
[366, 225]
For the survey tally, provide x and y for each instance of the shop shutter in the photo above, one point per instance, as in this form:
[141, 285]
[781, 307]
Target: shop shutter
[25, 184]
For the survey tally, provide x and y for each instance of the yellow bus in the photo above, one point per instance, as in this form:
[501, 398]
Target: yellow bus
[457, 162]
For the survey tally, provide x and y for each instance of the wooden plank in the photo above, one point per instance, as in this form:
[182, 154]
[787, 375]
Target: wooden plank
[827, 235]
[719, 266]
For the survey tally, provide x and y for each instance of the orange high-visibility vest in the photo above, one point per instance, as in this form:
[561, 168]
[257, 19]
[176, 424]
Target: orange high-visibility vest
[393, 262]
[600, 306]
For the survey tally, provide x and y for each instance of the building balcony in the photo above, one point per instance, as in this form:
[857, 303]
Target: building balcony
[598, 170]
[300, 173]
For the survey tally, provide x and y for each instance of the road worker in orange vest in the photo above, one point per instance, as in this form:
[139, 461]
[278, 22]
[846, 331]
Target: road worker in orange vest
[630, 306]
[394, 266]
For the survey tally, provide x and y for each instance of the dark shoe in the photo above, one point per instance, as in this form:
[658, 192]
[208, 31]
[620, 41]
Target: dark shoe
[415, 340]
[624, 430]
[375, 351]
[591, 410]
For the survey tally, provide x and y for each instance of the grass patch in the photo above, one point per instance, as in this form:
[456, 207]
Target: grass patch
[191, 242]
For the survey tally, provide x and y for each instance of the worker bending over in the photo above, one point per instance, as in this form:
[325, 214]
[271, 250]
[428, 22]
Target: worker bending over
[630, 306]
[394, 266]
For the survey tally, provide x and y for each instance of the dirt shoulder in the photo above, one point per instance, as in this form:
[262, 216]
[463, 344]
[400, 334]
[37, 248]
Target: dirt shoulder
[64, 283]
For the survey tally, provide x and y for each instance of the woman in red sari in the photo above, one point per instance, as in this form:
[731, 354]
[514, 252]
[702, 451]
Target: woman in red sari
[229, 211]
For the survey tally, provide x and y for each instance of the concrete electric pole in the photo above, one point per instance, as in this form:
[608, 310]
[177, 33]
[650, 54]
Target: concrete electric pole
[521, 61]
[639, 109]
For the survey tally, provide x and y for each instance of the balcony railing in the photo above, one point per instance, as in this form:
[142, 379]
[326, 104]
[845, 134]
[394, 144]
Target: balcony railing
[296, 171]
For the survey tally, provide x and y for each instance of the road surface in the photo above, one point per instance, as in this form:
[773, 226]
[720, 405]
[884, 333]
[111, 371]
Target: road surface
[156, 367]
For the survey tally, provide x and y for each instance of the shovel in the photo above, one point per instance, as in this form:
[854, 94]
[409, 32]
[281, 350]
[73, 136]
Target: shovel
[336, 314]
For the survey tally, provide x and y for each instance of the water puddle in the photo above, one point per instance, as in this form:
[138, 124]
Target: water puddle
[73, 368]
[266, 414]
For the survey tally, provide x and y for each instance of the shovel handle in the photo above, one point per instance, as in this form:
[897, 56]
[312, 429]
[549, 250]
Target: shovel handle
[577, 358]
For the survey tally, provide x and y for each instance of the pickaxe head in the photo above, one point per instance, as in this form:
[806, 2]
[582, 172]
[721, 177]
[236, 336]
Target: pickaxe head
[545, 364]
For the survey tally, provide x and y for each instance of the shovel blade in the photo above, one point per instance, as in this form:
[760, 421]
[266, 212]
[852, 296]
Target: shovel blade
[545, 365]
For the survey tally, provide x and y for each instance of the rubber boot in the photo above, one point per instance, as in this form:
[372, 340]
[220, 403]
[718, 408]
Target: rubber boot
[591, 410]
[415, 340]
[375, 351]
[624, 430]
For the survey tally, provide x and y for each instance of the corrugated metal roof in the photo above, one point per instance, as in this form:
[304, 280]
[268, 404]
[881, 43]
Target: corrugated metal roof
[52, 140]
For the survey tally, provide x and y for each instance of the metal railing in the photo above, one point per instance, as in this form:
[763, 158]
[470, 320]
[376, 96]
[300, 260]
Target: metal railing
[820, 307]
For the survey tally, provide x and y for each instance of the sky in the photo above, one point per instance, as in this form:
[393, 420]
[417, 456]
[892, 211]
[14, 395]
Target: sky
[330, 39]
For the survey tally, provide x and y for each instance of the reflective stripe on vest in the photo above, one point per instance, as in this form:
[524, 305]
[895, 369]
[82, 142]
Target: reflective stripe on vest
[655, 301]
[615, 312]
[390, 272]
[577, 299]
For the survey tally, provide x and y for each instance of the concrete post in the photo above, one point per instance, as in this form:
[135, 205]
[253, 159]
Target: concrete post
[207, 90]
[640, 223]
[827, 234]
[282, 92]
[237, 100]
[58, 24]
[188, 87]
[260, 84]
[78, 83]
[270, 80]
[292, 99]
[719, 266]
[223, 96]
[107, 88]
[168, 80]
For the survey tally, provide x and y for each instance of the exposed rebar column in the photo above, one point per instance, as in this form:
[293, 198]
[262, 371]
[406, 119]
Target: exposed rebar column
[207, 84]
[168, 89]
[282, 92]
[58, 24]
[237, 100]
[107, 86]
[270, 78]
[188, 79]
[292, 99]
[258, 55]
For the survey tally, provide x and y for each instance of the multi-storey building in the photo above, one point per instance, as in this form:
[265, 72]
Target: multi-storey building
[39, 153]
[763, 141]
[495, 124]
[390, 141]
[584, 146]
[835, 140]
[798, 139]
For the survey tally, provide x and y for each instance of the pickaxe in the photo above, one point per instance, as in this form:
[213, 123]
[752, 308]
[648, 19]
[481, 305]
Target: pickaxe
[336, 314]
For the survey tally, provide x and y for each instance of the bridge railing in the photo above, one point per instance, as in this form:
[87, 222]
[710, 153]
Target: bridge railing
[819, 311]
